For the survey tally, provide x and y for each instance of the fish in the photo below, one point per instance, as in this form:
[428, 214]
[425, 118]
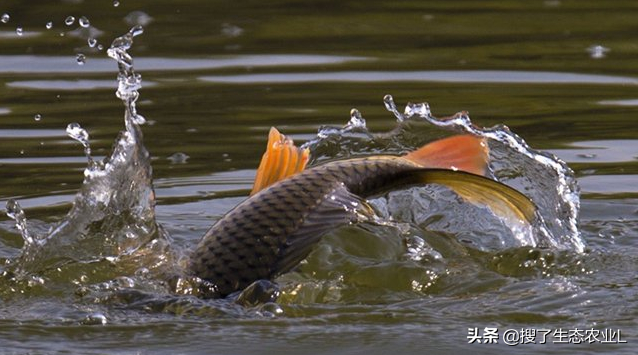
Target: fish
[291, 206]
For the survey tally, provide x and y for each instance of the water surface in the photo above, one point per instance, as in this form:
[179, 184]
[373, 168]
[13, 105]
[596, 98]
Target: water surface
[217, 75]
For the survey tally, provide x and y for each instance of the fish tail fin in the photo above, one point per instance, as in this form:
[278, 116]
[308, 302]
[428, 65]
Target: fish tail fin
[504, 201]
[281, 160]
[462, 152]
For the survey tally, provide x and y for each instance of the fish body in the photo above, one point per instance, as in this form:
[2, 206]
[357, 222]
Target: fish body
[273, 230]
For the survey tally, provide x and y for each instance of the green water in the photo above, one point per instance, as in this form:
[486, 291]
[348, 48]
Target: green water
[217, 75]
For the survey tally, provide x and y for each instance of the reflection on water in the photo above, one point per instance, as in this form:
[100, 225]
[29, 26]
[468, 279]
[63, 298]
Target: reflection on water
[602, 151]
[609, 184]
[67, 84]
[461, 76]
[628, 102]
[45, 64]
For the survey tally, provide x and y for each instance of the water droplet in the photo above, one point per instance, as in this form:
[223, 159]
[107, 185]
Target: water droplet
[116, 3]
[178, 158]
[388, 101]
[129, 82]
[422, 110]
[19, 31]
[15, 212]
[5, 18]
[598, 51]
[356, 120]
[49, 25]
[92, 42]
[231, 30]
[100, 47]
[80, 58]
[75, 131]
[69, 20]
[84, 22]
[137, 30]
[95, 319]
[37, 117]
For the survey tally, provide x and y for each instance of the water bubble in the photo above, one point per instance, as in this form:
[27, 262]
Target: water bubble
[19, 31]
[80, 58]
[15, 212]
[5, 18]
[49, 25]
[116, 3]
[84, 22]
[92, 42]
[37, 117]
[69, 20]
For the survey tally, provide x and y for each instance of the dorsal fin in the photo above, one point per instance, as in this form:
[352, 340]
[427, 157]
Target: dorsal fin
[464, 152]
[281, 160]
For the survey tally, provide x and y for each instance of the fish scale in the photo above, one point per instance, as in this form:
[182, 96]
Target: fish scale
[245, 245]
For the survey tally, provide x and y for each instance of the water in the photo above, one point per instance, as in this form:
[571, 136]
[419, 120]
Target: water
[561, 75]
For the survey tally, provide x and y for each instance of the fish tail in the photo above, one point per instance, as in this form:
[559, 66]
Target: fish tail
[463, 152]
[503, 200]
[281, 160]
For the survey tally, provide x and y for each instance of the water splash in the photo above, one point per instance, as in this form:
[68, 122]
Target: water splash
[112, 217]
[356, 120]
[129, 82]
[512, 161]
[75, 131]
[15, 212]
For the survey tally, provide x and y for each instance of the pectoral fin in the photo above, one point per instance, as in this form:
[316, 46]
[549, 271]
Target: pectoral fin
[281, 160]
[503, 200]
[339, 207]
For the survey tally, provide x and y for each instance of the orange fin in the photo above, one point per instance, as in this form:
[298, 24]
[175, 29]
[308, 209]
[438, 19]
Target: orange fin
[281, 160]
[464, 152]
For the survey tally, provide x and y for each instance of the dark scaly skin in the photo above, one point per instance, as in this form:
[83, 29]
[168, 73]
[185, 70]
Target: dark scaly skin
[246, 244]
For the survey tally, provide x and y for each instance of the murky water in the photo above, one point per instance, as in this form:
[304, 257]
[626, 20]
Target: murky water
[217, 75]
